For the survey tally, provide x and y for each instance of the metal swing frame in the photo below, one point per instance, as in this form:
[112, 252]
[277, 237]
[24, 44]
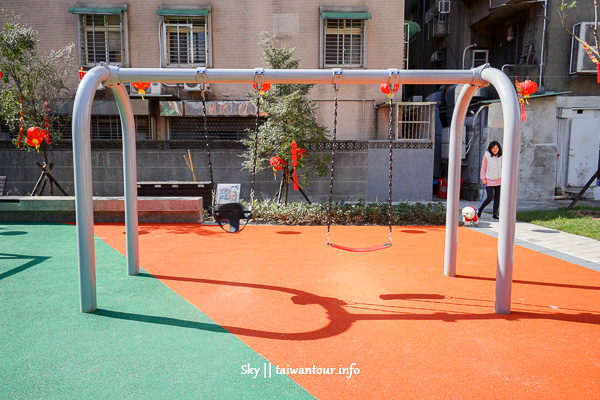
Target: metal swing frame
[114, 77]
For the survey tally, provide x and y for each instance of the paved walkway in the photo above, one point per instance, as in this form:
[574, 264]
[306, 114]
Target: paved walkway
[565, 246]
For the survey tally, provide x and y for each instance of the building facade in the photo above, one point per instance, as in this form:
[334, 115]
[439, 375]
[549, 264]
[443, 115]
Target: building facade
[226, 34]
[526, 40]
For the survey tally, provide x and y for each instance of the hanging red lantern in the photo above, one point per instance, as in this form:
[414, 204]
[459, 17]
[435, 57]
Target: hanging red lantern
[35, 137]
[389, 88]
[81, 73]
[263, 87]
[141, 87]
[528, 88]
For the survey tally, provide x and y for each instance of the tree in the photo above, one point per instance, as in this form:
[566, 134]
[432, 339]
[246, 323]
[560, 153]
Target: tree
[32, 85]
[291, 117]
[563, 7]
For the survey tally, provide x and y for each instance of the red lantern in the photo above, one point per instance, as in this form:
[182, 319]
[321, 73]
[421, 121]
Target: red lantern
[81, 73]
[141, 87]
[263, 87]
[528, 88]
[35, 136]
[276, 163]
[385, 88]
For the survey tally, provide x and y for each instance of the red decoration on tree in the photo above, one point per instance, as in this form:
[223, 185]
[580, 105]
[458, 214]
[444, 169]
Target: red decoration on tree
[35, 137]
[295, 163]
[47, 120]
[277, 164]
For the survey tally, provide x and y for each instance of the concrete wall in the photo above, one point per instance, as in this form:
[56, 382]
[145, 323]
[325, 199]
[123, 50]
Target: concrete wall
[537, 161]
[360, 173]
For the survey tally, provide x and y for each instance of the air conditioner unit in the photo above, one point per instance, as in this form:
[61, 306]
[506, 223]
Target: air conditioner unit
[437, 56]
[155, 89]
[193, 87]
[580, 61]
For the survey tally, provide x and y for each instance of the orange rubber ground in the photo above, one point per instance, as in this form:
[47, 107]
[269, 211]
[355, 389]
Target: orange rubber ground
[411, 331]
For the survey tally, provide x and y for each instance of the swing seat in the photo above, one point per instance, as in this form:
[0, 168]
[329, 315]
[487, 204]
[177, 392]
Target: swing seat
[361, 249]
[232, 214]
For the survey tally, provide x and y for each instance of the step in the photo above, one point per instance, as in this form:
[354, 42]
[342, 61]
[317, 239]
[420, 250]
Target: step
[106, 209]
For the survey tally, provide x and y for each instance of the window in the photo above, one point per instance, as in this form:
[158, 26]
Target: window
[101, 35]
[185, 41]
[344, 39]
[185, 34]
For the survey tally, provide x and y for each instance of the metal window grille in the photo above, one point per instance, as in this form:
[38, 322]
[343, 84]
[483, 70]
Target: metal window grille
[185, 41]
[219, 128]
[101, 39]
[344, 43]
[415, 121]
[108, 127]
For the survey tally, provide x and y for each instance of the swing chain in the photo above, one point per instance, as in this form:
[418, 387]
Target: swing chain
[336, 89]
[210, 168]
[258, 99]
[391, 143]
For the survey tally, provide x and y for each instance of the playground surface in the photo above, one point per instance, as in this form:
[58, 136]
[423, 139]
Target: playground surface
[214, 315]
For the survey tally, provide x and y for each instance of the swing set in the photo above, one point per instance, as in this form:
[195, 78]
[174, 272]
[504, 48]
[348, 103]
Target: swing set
[232, 213]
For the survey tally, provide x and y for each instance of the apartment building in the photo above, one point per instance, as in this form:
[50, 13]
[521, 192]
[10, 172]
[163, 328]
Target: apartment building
[226, 34]
[526, 40]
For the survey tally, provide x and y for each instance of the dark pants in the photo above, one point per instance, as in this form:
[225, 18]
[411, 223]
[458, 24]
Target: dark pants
[492, 193]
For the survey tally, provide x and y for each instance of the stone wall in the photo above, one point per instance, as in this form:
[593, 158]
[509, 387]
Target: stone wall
[361, 171]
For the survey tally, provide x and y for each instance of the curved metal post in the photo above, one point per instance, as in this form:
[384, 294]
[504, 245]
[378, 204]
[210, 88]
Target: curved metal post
[510, 179]
[82, 167]
[454, 163]
[129, 178]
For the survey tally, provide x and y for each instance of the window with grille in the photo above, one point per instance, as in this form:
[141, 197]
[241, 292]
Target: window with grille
[344, 43]
[103, 127]
[108, 127]
[101, 39]
[219, 128]
[415, 121]
[184, 41]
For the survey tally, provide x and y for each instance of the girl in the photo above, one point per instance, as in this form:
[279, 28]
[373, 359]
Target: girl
[491, 172]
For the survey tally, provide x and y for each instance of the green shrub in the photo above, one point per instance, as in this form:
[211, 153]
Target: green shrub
[360, 213]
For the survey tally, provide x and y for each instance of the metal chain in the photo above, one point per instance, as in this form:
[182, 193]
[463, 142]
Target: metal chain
[390, 134]
[333, 147]
[210, 168]
[258, 98]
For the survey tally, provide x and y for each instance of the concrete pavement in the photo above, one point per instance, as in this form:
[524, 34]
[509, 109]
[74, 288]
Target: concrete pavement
[565, 246]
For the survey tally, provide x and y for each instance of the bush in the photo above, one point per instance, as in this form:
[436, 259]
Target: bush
[360, 213]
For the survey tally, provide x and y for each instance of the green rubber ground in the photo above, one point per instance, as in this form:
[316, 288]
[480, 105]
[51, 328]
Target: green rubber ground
[144, 342]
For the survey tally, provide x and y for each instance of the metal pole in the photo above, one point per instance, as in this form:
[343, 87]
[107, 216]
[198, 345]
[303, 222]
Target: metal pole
[456, 131]
[129, 178]
[314, 76]
[510, 179]
[82, 167]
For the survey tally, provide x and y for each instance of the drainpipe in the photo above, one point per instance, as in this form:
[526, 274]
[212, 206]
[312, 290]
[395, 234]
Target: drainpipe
[465, 53]
[545, 24]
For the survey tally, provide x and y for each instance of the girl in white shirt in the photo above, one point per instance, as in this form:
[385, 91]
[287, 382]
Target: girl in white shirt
[491, 172]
